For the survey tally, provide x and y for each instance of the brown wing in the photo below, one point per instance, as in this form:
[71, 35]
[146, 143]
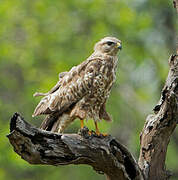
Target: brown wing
[53, 89]
[75, 84]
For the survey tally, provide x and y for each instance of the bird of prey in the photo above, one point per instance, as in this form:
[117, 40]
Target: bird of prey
[83, 91]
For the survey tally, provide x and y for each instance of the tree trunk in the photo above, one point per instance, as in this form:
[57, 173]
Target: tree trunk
[159, 126]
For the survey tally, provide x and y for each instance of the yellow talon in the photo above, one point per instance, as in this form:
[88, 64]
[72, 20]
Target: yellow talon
[89, 133]
[97, 131]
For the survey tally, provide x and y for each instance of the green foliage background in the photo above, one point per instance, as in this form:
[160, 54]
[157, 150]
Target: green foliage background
[40, 38]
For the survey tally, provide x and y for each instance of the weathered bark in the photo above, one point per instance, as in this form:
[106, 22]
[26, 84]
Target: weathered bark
[159, 126]
[104, 154]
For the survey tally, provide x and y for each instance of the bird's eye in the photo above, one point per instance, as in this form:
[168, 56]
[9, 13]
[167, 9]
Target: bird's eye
[109, 43]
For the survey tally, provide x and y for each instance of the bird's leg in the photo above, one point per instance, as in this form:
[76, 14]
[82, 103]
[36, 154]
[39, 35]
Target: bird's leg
[82, 126]
[97, 130]
[81, 123]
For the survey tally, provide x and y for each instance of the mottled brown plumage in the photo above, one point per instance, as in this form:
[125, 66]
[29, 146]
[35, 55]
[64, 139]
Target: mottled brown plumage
[82, 92]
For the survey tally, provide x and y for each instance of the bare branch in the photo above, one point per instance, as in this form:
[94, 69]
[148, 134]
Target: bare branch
[159, 126]
[105, 154]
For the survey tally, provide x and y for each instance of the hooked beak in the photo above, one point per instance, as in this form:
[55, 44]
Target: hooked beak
[119, 46]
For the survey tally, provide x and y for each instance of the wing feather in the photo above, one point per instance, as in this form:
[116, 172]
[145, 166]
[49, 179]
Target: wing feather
[75, 85]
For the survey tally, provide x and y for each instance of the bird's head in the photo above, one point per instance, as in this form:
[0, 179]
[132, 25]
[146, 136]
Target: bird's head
[108, 45]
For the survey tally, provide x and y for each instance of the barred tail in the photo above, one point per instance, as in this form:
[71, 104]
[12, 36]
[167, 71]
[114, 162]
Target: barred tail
[48, 122]
[56, 123]
[62, 122]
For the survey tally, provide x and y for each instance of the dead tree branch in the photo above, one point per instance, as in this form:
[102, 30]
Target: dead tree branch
[105, 154]
[159, 126]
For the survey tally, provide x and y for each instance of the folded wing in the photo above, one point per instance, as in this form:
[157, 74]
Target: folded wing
[74, 86]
